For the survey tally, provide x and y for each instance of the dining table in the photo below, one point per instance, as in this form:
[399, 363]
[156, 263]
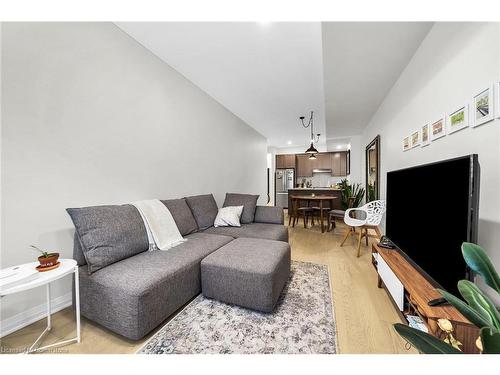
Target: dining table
[313, 198]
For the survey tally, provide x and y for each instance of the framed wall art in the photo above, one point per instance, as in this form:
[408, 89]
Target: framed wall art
[483, 109]
[438, 129]
[415, 139]
[425, 135]
[458, 119]
[406, 143]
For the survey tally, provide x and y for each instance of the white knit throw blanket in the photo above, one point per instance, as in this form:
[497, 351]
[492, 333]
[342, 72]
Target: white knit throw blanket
[160, 224]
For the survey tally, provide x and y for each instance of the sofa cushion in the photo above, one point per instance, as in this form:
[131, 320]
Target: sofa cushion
[109, 234]
[78, 251]
[229, 217]
[248, 201]
[204, 209]
[182, 215]
[274, 232]
[249, 272]
[269, 215]
[142, 291]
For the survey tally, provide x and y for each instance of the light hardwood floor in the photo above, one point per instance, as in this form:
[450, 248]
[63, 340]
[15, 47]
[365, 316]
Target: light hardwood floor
[364, 314]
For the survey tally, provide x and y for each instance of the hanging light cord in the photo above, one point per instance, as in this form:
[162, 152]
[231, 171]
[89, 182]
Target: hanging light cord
[310, 123]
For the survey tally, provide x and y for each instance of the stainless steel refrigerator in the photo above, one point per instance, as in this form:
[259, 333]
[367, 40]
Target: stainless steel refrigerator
[285, 179]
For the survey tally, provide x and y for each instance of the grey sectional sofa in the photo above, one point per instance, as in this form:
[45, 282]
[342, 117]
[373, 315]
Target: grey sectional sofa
[130, 290]
[248, 272]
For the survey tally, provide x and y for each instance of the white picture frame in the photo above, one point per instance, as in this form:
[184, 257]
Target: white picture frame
[415, 139]
[406, 143]
[483, 106]
[425, 135]
[458, 119]
[438, 129]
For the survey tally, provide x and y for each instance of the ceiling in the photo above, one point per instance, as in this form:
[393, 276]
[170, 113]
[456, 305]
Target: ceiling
[361, 62]
[269, 74]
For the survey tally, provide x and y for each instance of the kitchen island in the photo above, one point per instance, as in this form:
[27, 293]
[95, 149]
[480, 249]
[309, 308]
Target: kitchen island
[317, 191]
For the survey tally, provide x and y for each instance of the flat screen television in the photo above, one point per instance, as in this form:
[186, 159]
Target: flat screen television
[431, 210]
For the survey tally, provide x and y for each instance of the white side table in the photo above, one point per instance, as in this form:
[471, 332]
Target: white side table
[68, 266]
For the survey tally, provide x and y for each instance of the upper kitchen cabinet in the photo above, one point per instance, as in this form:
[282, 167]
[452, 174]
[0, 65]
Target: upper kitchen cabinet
[323, 161]
[345, 160]
[336, 161]
[285, 161]
[305, 166]
[339, 163]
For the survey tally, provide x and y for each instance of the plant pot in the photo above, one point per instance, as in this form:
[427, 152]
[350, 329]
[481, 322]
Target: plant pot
[48, 261]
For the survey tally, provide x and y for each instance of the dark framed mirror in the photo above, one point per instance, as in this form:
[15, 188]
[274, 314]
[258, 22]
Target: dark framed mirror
[372, 167]
[348, 163]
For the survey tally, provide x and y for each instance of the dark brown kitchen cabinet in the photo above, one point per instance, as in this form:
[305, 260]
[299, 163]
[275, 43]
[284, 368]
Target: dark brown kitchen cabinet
[285, 161]
[323, 161]
[335, 157]
[336, 161]
[304, 166]
[343, 163]
[339, 163]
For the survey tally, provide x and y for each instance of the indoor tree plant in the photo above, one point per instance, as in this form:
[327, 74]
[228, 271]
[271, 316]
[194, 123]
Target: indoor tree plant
[371, 193]
[355, 191]
[478, 308]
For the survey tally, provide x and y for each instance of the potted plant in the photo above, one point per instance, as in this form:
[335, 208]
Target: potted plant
[355, 191]
[371, 193]
[476, 306]
[46, 259]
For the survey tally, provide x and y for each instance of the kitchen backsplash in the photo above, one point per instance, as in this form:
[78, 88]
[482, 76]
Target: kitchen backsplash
[320, 180]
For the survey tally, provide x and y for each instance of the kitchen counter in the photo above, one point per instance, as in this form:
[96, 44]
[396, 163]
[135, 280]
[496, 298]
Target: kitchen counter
[318, 188]
[317, 191]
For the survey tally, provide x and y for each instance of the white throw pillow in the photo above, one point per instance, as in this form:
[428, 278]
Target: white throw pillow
[228, 216]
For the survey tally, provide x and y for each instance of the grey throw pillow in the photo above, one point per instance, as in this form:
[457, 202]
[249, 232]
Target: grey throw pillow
[204, 209]
[249, 203]
[183, 216]
[109, 234]
[78, 250]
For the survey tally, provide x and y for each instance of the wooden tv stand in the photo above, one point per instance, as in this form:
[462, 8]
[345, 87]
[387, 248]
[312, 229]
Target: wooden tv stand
[418, 291]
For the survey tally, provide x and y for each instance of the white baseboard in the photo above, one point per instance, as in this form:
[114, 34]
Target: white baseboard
[34, 314]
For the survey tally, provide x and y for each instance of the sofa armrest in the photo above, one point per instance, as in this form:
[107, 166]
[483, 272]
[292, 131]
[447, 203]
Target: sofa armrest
[269, 215]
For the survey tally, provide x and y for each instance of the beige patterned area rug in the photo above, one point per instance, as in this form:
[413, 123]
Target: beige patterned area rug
[302, 322]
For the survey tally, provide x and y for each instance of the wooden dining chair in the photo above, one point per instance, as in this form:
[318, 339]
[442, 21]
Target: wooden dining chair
[374, 211]
[316, 213]
[298, 212]
[338, 214]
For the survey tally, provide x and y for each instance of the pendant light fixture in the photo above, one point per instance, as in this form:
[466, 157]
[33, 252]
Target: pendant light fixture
[314, 138]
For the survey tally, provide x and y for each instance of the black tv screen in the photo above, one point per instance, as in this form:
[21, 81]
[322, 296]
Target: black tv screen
[431, 210]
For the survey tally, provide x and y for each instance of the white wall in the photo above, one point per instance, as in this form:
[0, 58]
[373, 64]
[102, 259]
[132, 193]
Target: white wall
[357, 148]
[271, 164]
[338, 144]
[91, 117]
[321, 147]
[454, 60]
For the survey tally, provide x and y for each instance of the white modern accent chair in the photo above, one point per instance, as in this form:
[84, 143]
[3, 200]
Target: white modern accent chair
[373, 212]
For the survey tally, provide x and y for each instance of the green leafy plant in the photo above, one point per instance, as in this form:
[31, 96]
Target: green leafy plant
[476, 306]
[45, 254]
[371, 193]
[355, 191]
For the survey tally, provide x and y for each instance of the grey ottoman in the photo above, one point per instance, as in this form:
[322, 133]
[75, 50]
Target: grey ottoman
[248, 272]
